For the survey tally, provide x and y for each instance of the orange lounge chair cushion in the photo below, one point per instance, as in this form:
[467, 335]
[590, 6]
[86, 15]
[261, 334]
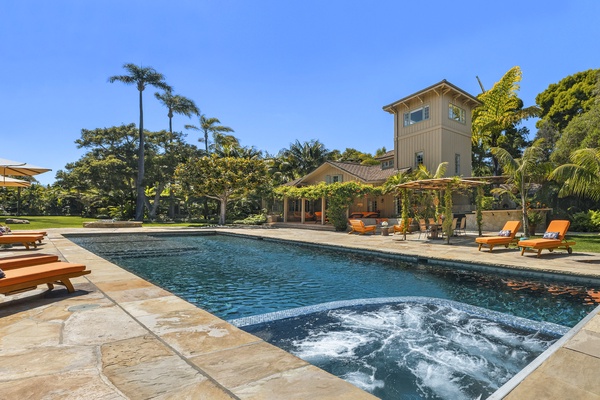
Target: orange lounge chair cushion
[494, 240]
[540, 243]
[4, 239]
[39, 272]
[26, 260]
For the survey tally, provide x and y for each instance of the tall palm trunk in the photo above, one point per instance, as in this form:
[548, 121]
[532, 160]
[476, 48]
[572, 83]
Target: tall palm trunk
[139, 204]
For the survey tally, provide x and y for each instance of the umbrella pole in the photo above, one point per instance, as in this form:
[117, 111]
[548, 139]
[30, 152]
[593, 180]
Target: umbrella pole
[18, 201]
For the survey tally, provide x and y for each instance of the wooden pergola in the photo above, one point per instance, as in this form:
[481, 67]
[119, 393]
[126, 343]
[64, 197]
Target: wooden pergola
[441, 184]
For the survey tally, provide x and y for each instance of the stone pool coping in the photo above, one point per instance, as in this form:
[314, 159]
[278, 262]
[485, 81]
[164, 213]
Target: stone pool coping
[118, 334]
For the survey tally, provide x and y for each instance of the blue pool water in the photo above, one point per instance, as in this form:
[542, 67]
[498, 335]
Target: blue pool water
[235, 277]
[466, 335]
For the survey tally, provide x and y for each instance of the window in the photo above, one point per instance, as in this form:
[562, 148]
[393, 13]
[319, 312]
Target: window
[456, 113]
[397, 207]
[372, 205]
[418, 158]
[387, 164]
[457, 164]
[417, 115]
[333, 178]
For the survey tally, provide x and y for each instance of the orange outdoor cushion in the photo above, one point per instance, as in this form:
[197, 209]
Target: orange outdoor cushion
[41, 271]
[25, 260]
[20, 238]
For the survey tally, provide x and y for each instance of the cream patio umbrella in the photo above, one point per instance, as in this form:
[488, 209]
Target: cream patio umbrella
[16, 168]
[12, 182]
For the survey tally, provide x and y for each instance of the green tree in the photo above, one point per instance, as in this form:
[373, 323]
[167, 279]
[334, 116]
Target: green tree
[501, 110]
[570, 97]
[305, 157]
[176, 104]
[522, 173]
[582, 132]
[211, 126]
[353, 155]
[141, 77]
[581, 176]
[223, 179]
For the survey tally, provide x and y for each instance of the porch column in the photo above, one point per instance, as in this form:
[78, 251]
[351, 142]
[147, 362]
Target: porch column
[285, 209]
[323, 210]
[302, 209]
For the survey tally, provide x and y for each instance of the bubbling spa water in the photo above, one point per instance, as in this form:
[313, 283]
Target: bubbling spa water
[414, 349]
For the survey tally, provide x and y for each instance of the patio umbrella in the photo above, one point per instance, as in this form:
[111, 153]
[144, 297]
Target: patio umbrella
[6, 181]
[16, 168]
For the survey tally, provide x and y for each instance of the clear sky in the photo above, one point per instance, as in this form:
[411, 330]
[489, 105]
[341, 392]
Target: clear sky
[275, 71]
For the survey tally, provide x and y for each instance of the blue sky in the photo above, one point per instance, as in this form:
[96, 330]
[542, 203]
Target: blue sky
[274, 71]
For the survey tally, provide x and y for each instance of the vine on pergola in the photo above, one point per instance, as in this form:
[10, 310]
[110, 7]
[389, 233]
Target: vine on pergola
[339, 194]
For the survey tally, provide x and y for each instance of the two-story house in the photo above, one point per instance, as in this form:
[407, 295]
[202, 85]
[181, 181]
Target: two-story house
[431, 126]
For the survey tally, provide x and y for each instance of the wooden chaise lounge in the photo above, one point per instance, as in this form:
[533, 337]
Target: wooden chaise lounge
[510, 229]
[360, 227]
[554, 238]
[25, 240]
[25, 278]
[26, 260]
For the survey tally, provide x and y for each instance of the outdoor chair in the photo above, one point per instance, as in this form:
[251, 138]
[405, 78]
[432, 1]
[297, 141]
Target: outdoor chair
[25, 240]
[504, 238]
[26, 260]
[461, 227]
[400, 227]
[25, 278]
[554, 238]
[360, 227]
[423, 228]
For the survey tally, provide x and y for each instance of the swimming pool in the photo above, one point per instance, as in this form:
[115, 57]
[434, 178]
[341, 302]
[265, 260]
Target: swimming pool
[234, 277]
[237, 278]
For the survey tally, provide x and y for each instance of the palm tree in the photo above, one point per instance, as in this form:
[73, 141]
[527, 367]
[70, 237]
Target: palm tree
[141, 77]
[522, 173]
[211, 126]
[306, 157]
[176, 104]
[502, 109]
[580, 177]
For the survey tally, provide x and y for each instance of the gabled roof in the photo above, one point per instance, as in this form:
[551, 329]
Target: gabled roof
[365, 173]
[441, 87]
[387, 154]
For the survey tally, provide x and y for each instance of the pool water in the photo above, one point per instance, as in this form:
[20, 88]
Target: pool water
[235, 277]
[410, 348]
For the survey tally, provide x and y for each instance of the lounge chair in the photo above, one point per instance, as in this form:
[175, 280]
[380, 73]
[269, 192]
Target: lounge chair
[41, 234]
[360, 227]
[25, 240]
[400, 227]
[507, 236]
[554, 238]
[7, 263]
[25, 278]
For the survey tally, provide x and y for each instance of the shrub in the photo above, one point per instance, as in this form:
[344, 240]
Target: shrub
[585, 221]
[257, 219]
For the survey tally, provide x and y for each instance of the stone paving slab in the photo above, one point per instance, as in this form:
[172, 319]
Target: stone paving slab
[120, 337]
